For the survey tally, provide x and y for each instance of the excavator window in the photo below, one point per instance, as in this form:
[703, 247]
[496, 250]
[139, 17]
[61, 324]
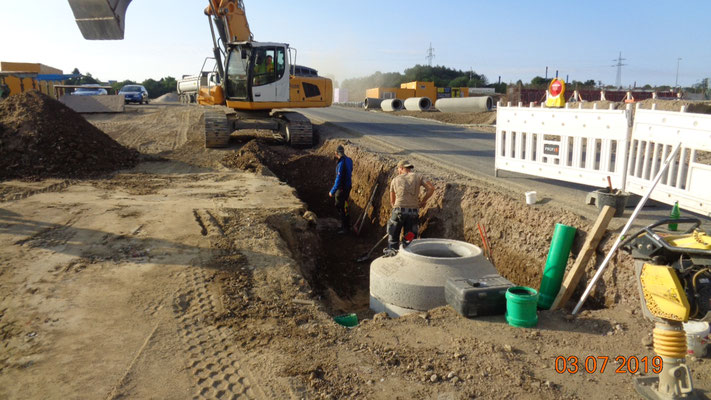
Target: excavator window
[280, 62]
[264, 71]
[236, 83]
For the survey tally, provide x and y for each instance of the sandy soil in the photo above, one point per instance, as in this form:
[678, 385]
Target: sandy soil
[202, 275]
[481, 118]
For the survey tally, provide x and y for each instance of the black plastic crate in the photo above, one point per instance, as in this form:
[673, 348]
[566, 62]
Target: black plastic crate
[479, 296]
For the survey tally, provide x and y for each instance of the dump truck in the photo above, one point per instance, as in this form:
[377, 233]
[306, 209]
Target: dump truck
[189, 86]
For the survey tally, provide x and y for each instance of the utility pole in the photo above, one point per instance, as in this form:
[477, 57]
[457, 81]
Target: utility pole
[676, 81]
[619, 65]
[430, 55]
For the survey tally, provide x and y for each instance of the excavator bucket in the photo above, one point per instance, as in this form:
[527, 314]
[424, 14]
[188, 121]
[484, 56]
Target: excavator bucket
[100, 19]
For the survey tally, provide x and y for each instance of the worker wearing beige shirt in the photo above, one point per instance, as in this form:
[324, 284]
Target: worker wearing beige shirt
[405, 199]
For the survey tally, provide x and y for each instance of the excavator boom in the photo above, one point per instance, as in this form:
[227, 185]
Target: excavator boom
[231, 20]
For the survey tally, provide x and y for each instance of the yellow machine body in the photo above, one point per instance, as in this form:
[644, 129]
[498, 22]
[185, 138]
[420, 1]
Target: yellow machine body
[697, 240]
[663, 293]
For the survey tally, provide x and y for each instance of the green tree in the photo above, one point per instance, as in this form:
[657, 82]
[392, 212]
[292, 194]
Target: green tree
[539, 81]
[81, 80]
[116, 86]
[158, 88]
[461, 81]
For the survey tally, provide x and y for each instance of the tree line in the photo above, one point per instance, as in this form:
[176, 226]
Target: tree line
[155, 88]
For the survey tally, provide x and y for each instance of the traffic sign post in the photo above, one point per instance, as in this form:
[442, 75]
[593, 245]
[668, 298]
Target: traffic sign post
[555, 97]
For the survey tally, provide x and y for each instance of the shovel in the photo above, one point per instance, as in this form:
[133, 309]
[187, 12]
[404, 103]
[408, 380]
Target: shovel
[366, 256]
[359, 223]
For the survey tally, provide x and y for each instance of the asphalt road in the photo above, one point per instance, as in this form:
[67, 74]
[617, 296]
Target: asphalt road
[465, 150]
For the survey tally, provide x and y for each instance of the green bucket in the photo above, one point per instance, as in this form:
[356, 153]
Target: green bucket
[521, 305]
[347, 320]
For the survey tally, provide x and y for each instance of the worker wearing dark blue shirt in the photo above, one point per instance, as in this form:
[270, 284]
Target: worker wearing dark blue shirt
[342, 187]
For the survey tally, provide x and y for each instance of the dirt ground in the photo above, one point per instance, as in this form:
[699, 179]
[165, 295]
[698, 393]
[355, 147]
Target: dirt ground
[215, 273]
[483, 119]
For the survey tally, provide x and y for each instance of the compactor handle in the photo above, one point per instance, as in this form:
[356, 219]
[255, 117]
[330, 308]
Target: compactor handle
[663, 243]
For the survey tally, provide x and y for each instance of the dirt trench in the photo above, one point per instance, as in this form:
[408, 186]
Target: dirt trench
[520, 235]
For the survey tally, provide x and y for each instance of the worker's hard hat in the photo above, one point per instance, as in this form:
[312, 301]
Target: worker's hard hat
[405, 164]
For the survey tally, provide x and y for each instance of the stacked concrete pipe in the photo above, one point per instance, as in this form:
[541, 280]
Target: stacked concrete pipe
[418, 104]
[371, 103]
[414, 279]
[391, 105]
[465, 104]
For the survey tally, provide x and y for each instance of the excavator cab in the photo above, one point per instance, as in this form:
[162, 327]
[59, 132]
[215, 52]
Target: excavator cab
[258, 72]
[100, 19]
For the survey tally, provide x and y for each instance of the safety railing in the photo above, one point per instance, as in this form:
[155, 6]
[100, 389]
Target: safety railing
[574, 145]
[688, 178]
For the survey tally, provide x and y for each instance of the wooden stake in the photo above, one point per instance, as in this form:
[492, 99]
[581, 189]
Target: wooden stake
[586, 253]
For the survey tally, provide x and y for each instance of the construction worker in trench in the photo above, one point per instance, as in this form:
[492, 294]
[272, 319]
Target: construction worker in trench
[405, 199]
[342, 188]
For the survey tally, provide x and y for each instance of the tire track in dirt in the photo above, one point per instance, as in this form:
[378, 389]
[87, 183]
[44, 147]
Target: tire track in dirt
[212, 359]
[10, 194]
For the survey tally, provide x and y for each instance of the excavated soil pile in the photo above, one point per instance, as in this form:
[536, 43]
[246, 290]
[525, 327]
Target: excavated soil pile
[167, 98]
[251, 157]
[520, 236]
[41, 137]
[481, 118]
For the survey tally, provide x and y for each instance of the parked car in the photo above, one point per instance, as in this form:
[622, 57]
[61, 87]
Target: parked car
[134, 94]
[90, 89]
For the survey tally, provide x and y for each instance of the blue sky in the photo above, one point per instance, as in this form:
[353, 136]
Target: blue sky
[511, 39]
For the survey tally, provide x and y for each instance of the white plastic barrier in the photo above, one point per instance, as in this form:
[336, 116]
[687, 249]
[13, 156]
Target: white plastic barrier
[687, 180]
[574, 145]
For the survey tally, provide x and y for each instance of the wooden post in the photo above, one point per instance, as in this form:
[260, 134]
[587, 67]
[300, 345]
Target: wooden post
[576, 272]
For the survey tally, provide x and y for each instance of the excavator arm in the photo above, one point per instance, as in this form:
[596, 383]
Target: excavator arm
[231, 20]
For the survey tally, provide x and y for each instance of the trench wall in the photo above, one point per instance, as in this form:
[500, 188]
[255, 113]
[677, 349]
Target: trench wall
[520, 235]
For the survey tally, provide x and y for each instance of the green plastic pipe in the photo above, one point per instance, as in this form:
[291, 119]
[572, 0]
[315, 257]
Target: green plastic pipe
[555, 265]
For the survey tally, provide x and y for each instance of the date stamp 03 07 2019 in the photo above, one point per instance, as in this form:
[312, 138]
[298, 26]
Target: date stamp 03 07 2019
[598, 364]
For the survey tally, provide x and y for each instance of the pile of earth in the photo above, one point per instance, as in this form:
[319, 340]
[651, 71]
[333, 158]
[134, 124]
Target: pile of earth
[42, 138]
[478, 118]
[167, 98]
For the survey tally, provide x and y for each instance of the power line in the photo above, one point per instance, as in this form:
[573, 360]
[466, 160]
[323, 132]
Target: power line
[430, 54]
[619, 65]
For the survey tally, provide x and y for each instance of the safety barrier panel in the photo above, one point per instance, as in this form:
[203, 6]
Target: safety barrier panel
[688, 178]
[575, 145]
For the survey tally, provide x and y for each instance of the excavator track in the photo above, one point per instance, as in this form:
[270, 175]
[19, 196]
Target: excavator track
[298, 131]
[217, 129]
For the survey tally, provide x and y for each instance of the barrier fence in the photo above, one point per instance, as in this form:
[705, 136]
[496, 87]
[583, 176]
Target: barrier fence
[688, 179]
[573, 145]
[586, 146]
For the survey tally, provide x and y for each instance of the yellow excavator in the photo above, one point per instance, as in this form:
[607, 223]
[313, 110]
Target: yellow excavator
[256, 79]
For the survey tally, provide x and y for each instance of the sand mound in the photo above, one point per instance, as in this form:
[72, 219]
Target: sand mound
[41, 137]
[167, 98]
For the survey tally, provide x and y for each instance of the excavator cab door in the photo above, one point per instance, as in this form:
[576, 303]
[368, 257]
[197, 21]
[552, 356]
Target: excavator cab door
[270, 78]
